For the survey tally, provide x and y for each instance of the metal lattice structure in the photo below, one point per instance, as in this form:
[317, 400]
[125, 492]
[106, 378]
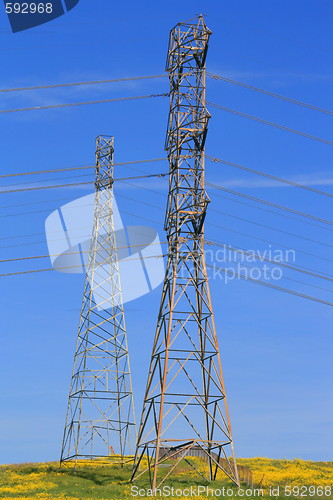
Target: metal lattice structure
[185, 409]
[100, 419]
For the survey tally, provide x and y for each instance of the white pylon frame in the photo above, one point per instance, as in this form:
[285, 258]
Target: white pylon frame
[100, 419]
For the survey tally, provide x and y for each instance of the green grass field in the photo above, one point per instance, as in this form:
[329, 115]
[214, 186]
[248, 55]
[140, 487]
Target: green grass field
[47, 481]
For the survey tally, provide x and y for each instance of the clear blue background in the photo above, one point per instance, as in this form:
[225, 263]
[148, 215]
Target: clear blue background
[276, 348]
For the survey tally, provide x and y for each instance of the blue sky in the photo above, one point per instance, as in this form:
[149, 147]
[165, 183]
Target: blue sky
[276, 348]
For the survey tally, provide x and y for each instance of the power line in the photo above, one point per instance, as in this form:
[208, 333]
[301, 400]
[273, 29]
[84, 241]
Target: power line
[154, 206]
[150, 220]
[274, 212]
[269, 203]
[18, 174]
[78, 183]
[229, 215]
[72, 267]
[239, 232]
[284, 277]
[49, 209]
[20, 236]
[86, 175]
[271, 124]
[209, 223]
[33, 212]
[269, 176]
[79, 228]
[271, 94]
[268, 241]
[79, 167]
[74, 229]
[273, 228]
[223, 227]
[304, 270]
[226, 271]
[244, 203]
[35, 108]
[74, 253]
[35, 203]
[83, 83]
[211, 158]
[242, 277]
[260, 257]
[234, 273]
[48, 180]
[270, 285]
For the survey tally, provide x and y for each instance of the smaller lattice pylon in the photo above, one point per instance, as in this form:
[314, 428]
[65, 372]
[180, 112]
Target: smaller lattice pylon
[100, 420]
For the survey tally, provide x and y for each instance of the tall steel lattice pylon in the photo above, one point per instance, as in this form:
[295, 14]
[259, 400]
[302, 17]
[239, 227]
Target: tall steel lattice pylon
[100, 419]
[185, 409]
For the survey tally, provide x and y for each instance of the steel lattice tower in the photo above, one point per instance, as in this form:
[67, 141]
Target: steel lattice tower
[100, 417]
[185, 408]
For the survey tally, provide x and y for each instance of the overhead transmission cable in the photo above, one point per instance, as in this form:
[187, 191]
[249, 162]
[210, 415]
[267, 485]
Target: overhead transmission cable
[269, 203]
[271, 94]
[241, 251]
[271, 124]
[76, 253]
[79, 167]
[235, 231]
[75, 84]
[102, 101]
[74, 266]
[14, 205]
[215, 225]
[211, 158]
[150, 220]
[226, 271]
[51, 179]
[223, 270]
[270, 285]
[274, 212]
[20, 214]
[300, 269]
[232, 230]
[259, 200]
[165, 75]
[273, 228]
[269, 176]
[229, 215]
[284, 277]
[279, 244]
[79, 183]
[229, 248]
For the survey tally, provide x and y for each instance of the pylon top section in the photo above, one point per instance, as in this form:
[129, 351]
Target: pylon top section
[187, 127]
[104, 162]
[192, 39]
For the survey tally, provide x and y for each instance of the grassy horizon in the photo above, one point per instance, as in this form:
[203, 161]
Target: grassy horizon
[105, 481]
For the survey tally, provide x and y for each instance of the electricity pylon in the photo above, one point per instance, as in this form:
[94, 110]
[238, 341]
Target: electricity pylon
[100, 419]
[185, 408]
